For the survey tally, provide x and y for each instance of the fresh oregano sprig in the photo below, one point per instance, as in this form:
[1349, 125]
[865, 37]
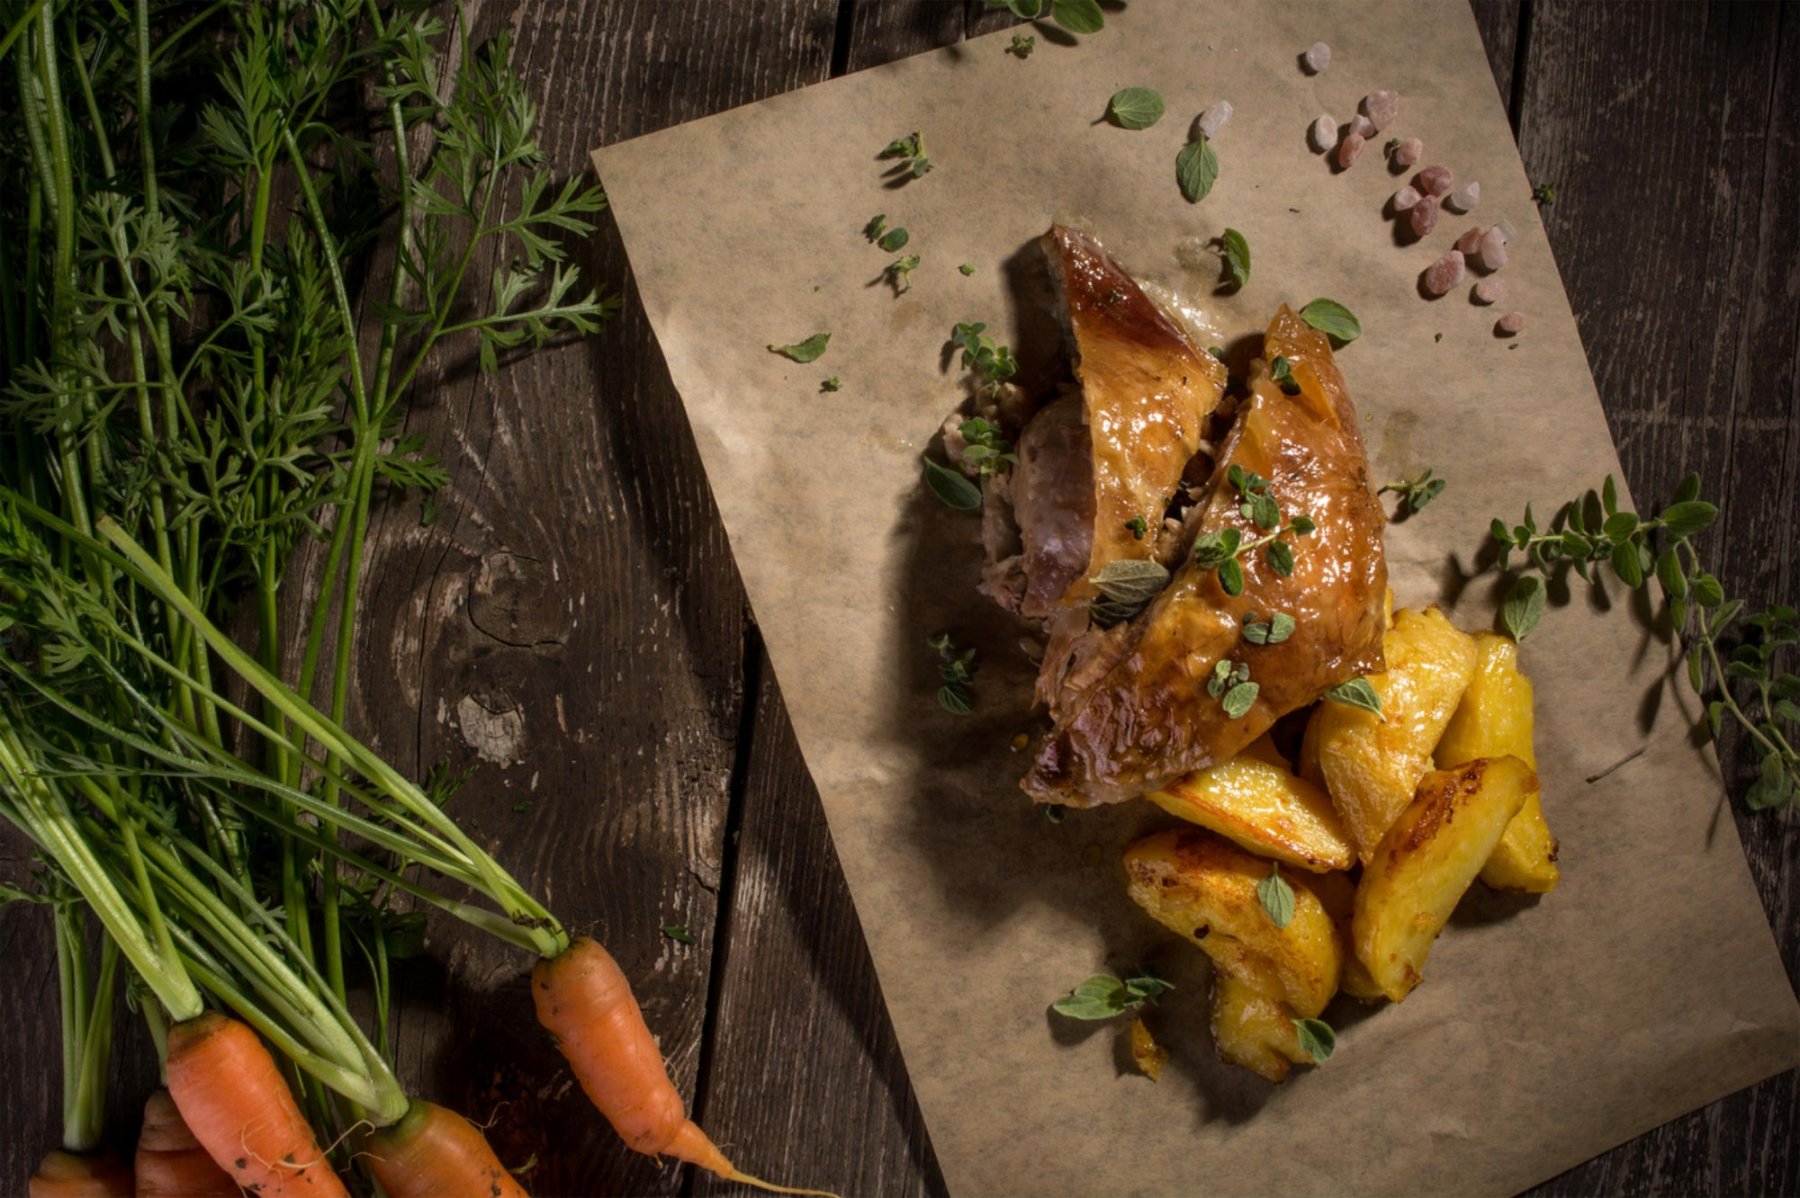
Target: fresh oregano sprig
[1223, 549]
[1735, 658]
[991, 361]
[1415, 493]
[910, 150]
[1104, 996]
[956, 670]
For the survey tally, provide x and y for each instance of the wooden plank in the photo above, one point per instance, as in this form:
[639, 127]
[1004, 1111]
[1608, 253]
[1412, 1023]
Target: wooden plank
[804, 1073]
[1679, 255]
[1499, 22]
[572, 619]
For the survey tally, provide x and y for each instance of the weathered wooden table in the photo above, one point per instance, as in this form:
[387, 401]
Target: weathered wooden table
[573, 617]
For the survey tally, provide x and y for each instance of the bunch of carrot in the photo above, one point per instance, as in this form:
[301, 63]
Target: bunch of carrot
[191, 397]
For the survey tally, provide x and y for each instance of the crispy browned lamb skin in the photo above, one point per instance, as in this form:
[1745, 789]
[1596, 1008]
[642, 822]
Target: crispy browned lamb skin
[1150, 719]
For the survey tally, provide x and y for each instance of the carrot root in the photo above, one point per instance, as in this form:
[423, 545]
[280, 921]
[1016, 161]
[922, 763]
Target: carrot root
[239, 1107]
[433, 1151]
[171, 1163]
[78, 1175]
[584, 1000]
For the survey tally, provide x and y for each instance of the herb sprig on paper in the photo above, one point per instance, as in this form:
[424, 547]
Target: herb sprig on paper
[1735, 658]
[992, 362]
[1415, 493]
[956, 670]
[910, 151]
[1103, 996]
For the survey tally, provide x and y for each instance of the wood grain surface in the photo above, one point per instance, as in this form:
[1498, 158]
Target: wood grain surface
[571, 620]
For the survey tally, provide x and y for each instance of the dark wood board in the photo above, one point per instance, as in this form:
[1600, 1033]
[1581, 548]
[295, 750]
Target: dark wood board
[574, 599]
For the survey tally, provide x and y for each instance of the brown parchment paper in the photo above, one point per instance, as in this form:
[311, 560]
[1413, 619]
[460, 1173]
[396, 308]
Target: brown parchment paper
[1646, 985]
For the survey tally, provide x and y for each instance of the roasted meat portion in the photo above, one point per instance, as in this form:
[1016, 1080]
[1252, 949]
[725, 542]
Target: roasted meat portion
[1151, 717]
[1098, 467]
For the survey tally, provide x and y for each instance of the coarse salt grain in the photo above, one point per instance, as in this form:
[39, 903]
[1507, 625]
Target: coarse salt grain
[1362, 126]
[1409, 151]
[1215, 118]
[1405, 198]
[1433, 180]
[1489, 291]
[1470, 242]
[1318, 57]
[1445, 273]
[1511, 323]
[1466, 196]
[1423, 216]
[1349, 149]
[1493, 250]
[1323, 134]
[1508, 234]
[1381, 107]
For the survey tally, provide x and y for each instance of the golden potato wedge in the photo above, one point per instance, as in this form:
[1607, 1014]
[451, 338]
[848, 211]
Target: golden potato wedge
[1427, 860]
[1263, 807]
[1494, 720]
[1203, 887]
[1338, 893]
[1253, 1030]
[1372, 763]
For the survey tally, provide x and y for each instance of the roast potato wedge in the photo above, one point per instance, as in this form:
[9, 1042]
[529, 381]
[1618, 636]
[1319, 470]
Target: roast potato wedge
[1259, 804]
[1426, 862]
[1371, 764]
[1203, 887]
[1254, 1030]
[1494, 719]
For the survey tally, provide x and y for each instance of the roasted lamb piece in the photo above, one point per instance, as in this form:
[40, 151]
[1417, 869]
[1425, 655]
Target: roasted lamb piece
[1148, 717]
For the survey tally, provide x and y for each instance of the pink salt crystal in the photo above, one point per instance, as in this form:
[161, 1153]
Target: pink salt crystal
[1318, 57]
[1214, 118]
[1511, 323]
[1324, 134]
[1469, 243]
[1445, 273]
[1493, 250]
[1362, 126]
[1405, 198]
[1489, 291]
[1408, 152]
[1465, 197]
[1349, 149]
[1423, 216]
[1433, 180]
[1381, 107]
[1508, 234]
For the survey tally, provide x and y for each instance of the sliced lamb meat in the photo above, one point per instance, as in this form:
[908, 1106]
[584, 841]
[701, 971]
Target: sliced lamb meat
[1150, 718]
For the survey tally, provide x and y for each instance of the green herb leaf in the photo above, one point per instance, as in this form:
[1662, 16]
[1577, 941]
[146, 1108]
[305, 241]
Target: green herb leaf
[1215, 547]
[803, 351]
[1281, 371]
[1281, 627]
[1358, 693]
[967, 268]
[954, 700]
[1626, 564]
[1144, 984]
[1276, 897]
[1668, 572]
[1302, 525]
[1231, 577]
[1131, 580]
[834, 383]
[1773, 786]
[1022, 45]
[1708, 591]
[1689, 517]
[1138, 527]
[1237, 257]
[1317, 1040]
[1100, 997]
[678, 933]
[1280, 556]
[1524, 606]
[952, 486]
[1239, 699]
[1688, 488]
[1134, 108]
[876, 227]
[1078, 16]
[1332, 319]
[894, 240]
[1544, 193]
[1609, 497]
[1196, 170]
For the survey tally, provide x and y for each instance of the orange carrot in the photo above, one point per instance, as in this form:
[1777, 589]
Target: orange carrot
[79, 1175]
[170, 1162]
[239, 1107]
[585, 1002]
[432, 1152]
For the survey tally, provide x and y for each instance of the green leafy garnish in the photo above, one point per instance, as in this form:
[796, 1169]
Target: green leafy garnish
[876, 227]
[1025, 10]
[1223, 549]
[985, 447]
[1277, 628]
[1733, 660]
[899, 273]
[1317, 1039]
[981, 354]
[1544, 193]
[678, 932]
[1135, 108]
[1415, 493]
[1126, 587]
[1392, 144]
[1103, 996]
[967, 268]
[1196, 169]
[1276, 897]
[1281, 372]
[952, 487]
[803, 351]
[1078, 16]
[1137, 527]
[1230, 684]
[834, 383]
[1333, 319]
[894, 240]
[910, 150]
[1022, 45]
[956, 670]
[1356, 693]
[1237, 257]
